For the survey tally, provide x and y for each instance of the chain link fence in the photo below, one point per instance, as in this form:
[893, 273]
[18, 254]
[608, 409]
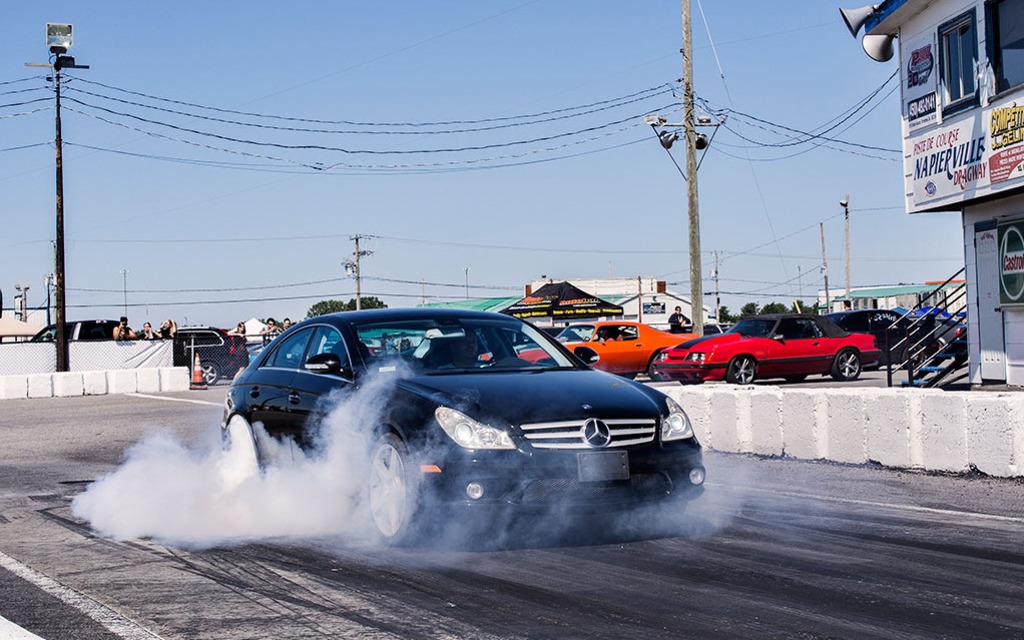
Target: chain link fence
[21, 358]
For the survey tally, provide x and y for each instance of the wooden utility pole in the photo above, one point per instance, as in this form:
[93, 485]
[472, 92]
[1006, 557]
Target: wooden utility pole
[355, 268]
[696, 283]
[824, 267]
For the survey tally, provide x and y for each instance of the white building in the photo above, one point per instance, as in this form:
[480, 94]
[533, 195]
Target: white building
[962, 103]
[646, 300]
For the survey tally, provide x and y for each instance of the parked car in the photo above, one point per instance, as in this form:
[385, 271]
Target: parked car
[895, 334]
[79, 330]
[715, 329]
[790, 346]
[220, 355]
[477, 429]
[625, 348]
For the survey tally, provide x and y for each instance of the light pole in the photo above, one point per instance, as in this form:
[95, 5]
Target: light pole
[48, 283]
[466, 269]
[124, 275]
[58, 38]
[845, 204]
[22, 307]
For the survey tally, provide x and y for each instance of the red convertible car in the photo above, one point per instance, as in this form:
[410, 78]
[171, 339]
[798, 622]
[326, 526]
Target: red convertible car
[790, 346]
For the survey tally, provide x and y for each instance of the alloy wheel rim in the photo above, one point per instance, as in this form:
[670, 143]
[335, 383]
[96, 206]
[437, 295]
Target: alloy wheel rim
[847, 365]
[387, 490]
[744, 370]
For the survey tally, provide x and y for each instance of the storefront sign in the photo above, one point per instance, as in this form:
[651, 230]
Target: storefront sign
[1011, 263]
[919, 92]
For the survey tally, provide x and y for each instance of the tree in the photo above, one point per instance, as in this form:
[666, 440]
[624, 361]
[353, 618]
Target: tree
[749, 309]
[799, 306]
[774, 307]
[724, 315]
[334, 306]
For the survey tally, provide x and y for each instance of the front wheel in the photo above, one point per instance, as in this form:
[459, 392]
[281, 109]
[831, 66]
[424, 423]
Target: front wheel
[211, 372]
[741, 370]
[846, 366]
[391, 494]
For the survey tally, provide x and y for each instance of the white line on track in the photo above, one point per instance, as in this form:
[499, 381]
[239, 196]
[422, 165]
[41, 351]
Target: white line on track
[203, 402]
[116, 623]
[884, 505]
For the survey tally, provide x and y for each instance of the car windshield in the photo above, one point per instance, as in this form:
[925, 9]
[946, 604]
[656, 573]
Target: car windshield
[755, 327]
[445, 345]
[576, 333]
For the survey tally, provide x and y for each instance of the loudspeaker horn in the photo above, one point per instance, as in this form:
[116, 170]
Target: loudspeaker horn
[878, 47]
[855, 18]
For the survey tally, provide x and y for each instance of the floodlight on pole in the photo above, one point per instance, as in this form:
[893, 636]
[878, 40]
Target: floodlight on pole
[59, 40]
[698, 142]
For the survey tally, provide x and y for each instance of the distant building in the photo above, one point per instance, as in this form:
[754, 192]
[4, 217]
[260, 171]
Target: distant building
[646, 300]
[906, 296]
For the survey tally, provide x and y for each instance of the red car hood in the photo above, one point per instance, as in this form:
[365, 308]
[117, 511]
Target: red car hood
[710, 341]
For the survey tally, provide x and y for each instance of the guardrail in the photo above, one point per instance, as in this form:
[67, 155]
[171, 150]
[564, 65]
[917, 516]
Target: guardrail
[927, 429]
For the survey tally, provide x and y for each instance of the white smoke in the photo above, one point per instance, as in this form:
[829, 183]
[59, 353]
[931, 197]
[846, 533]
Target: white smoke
[207, 495]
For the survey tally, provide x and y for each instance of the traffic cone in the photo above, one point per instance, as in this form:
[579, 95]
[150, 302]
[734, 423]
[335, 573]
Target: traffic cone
[198, 380]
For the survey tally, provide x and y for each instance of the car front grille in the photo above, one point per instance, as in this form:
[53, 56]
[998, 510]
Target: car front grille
[568, 434]
[569, 490]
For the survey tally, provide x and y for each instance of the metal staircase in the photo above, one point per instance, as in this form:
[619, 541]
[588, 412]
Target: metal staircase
[932, 337]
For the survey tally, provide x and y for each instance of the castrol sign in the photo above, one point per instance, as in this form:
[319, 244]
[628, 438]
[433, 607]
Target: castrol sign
[1011, 262]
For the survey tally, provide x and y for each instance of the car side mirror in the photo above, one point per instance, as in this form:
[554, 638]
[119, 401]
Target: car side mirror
[327, 363]
[586, 354]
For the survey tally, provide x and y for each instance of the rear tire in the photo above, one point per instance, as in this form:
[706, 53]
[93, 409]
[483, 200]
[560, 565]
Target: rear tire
[741, 370]
[846, 366]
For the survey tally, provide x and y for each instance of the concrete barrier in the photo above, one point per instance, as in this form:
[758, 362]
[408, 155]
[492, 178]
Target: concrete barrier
[949, 431]
[92, 383]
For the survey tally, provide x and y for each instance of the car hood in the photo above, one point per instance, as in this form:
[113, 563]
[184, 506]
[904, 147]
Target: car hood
[708, 342]
[538, 396]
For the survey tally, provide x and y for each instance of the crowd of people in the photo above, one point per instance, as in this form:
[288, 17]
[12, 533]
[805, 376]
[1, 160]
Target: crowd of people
[168, 328]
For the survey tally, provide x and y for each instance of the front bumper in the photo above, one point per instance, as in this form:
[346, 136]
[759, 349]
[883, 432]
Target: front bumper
[688, 371]
[537, 481]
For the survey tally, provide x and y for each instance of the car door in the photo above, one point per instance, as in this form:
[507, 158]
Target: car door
[610, 342]
[310, 388]
[270, 394]
[801, 348]
[883, 324]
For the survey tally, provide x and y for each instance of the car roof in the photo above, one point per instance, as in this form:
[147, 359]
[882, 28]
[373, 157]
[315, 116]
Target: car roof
[411, 313]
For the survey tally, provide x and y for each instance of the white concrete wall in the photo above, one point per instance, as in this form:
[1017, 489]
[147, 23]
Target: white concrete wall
[905, 428]
[91, 383]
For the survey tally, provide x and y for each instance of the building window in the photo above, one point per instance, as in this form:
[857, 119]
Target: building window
[958, 58]
[1006, 42]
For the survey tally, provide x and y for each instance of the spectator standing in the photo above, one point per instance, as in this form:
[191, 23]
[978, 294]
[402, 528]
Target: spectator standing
[677, 320]
[239, 330]
[285, 324]
[271, 331]
[168, 329]
[122, 331]
[148, 333]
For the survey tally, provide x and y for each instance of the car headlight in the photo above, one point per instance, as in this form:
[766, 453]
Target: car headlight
[468, 433]
[697, 356]
[676, 425]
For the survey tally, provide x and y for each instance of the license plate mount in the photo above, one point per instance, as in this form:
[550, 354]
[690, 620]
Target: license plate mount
[603, 466]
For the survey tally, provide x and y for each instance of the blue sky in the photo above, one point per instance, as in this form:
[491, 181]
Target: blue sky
[504, 137]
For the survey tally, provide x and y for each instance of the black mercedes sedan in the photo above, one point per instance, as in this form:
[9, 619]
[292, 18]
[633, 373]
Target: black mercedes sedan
[477, 412]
